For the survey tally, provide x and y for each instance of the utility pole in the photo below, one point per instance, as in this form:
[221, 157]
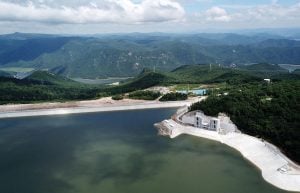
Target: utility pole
[209, 67]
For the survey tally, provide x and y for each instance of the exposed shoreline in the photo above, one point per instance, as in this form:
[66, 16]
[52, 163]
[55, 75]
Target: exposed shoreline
[263, 155]
[101, 105]
[276, 168]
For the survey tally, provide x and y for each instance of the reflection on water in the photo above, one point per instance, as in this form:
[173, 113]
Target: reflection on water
[116, 152]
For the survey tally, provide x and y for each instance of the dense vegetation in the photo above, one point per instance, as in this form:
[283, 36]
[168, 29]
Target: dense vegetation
[44, 77]
[216, 74]
[4, 74]
[128, 55]
[144, 95]
[44, 86]
[117, 97]
[28, 91]
[264, 67]
[174, 96]
[268, 111]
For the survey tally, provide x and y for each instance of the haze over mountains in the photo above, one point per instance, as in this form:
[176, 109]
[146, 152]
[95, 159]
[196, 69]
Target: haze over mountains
[121, 55]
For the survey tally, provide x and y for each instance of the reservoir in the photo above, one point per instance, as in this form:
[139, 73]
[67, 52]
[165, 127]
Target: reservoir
[117, 152]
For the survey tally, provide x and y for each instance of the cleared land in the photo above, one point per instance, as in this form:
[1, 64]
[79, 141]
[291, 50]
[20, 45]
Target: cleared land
[101, 105]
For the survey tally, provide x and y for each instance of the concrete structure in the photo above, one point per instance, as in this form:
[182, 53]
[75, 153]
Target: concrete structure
[275, 167]
[206, 122]
[222, 124]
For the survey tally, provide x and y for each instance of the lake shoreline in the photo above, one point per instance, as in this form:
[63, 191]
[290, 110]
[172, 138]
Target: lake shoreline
[263, 155]
[275, 167]
[100, 105]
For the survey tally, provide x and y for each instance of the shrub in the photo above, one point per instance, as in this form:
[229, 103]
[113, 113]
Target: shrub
[174, 96]
[117, 97]
[144, 95]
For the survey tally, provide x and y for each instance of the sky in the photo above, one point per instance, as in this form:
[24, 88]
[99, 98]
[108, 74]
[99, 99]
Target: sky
[121, 16]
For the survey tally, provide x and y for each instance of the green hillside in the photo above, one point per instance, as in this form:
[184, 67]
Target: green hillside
[275, 120]
[217, 74]
[4, 74]
[211, 74]
[297, 72]
[127, 55]
[45, 86]
[264, 67]
[14, 49]
[197, 73]
[145, 80]
[45, 77]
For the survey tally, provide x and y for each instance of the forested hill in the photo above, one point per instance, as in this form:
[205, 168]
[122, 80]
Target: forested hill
[43, 86]
[264, 67]
[4, 74]
[270, 111]
[128, 54]
[216, 73]
[46, 86]
[44, 77]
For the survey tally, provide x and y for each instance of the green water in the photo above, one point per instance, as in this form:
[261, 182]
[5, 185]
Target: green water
[116, 152]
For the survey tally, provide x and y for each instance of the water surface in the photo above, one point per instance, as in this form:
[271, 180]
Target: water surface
[117, 152]
[101, 81]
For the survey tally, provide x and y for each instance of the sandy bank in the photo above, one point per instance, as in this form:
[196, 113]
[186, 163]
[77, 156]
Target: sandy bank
[101, 105]
[276, 168]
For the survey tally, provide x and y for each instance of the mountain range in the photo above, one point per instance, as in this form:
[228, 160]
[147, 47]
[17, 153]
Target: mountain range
[122, 55]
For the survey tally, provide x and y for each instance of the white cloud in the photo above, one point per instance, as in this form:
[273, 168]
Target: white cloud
[272, 12]
[96, 16]
[217, 14]
[270, 15]
[108, 11]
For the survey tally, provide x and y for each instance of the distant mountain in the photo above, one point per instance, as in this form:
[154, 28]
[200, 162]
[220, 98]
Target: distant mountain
[122, 55]
[25, 36]
[237, 39]
[279, 43]
[13, 50]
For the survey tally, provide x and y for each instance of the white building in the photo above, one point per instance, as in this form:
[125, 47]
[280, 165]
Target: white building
[205, 122]
[222, 124]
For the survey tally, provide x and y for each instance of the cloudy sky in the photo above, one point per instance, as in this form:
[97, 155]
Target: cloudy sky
[118, 16]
